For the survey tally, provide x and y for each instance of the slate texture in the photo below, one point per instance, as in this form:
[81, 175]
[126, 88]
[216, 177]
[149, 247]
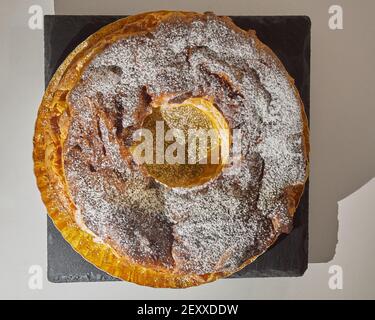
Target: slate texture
[289, 38]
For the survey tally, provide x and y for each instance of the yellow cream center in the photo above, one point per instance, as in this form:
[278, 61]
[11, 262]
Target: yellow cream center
[195, 145]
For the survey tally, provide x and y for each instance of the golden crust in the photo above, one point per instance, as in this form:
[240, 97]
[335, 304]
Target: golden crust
[50, 133]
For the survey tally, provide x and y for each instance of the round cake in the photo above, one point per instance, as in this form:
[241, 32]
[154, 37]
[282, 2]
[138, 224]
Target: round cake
[180, 223]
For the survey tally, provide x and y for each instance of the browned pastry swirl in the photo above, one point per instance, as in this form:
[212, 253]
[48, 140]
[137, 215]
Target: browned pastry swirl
[214, 228]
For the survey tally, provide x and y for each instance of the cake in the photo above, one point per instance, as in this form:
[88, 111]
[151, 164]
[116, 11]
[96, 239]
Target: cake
[171, 224]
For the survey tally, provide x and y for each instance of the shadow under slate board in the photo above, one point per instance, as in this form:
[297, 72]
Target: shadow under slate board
[289, 38]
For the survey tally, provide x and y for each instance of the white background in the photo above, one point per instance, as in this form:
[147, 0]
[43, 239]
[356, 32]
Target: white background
[342, 159]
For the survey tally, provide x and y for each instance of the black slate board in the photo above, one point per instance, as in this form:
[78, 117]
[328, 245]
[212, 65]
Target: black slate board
[289, 38]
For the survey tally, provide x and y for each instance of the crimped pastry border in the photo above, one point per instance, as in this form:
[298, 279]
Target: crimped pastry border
[50, 132]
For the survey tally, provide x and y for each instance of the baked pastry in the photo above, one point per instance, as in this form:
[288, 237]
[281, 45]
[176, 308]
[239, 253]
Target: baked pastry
[170, 225]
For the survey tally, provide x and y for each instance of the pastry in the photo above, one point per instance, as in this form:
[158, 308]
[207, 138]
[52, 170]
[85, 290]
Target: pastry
[170, 224]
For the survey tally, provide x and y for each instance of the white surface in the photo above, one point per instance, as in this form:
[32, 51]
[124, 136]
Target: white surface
[343, 155]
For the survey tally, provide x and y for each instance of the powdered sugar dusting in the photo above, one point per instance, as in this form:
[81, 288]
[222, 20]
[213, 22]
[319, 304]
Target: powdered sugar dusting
[213, 227]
